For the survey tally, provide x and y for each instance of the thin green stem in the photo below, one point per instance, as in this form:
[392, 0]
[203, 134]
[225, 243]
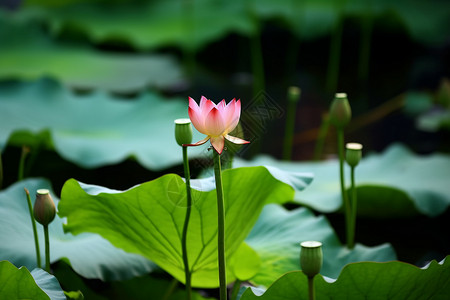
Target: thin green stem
[47, 249]
[323, 131]
[235, 290]
[334, 56]
[173, 284]
[33, 224]
[221, 227]
[23, 156]
[257, 64]
[347, 208]
[351, 242]
[364, 46]
[189, 27]
[311, 291]
[187, 271]
[289, 130]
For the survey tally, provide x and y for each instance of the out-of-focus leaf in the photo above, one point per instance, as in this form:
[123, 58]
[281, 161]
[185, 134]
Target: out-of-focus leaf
[27, 54]
[95, 129]
[366, 280]
[148, 219]
[276, 238]
[89, 254]
[417, 103]
[434, 120]
[391, 184]
[151, 24]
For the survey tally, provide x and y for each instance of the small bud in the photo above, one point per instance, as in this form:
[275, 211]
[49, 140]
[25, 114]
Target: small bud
[353, 153]
[311, 258]
[340, 111]
[183, 131]
[294, 94]
[44, 207]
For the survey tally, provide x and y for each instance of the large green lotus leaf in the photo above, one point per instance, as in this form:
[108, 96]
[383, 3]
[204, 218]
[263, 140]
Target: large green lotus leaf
[307, 19]
[394, 183]
[148, 219]
[89, 254]
[29, 55]
[366, 280]
[311, 19]
[277, 235]
[151, 24]
[93, 130]
[21, 284]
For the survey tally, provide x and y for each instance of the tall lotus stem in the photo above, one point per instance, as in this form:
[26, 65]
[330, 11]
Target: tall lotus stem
[44, 213]
[293, 97]
[217, 121]
[221, 227]
[340, 115]
[33, 224]
[183, 135]
[353, 156]
[23, 156]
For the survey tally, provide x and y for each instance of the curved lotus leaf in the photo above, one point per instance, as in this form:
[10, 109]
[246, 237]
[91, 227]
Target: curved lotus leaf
[30, 55]
[366, 280]
[95, 129]
[311, 19]
[393, 183]
[148, 219]
[277, 235]
[89, 254]
[49, 284]
[153, 24]
[21, 284]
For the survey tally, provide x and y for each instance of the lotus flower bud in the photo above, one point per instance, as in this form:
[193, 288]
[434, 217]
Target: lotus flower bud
[311, 258]
[340, 111]
[183, 131]
[353, 153]
[294, 94]
[44, 207]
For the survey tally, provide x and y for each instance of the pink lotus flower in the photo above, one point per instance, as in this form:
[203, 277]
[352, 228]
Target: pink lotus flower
[216, 121]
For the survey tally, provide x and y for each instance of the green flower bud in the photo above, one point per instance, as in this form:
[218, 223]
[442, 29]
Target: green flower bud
[311, 258]
[353, 153]
[44, 207]
[183, 131]
[340, 111]
[294, 94]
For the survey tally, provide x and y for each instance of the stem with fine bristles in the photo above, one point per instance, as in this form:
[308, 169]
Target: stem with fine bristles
[33, 224]
[47, 249]
[345, 200]
[221, 227]
[187, 271]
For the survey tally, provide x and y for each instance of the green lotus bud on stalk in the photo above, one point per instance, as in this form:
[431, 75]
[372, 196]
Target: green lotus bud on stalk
[183, 131]
[353, 153]
[44, 207]
[311, 258]
[294, 94]
[340, 111]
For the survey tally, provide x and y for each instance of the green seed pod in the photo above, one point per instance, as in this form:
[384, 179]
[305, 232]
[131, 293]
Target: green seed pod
[340, 111]
[44, 207]
[294, 94]
[311, 258]
[353, 153]
[183, 131]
